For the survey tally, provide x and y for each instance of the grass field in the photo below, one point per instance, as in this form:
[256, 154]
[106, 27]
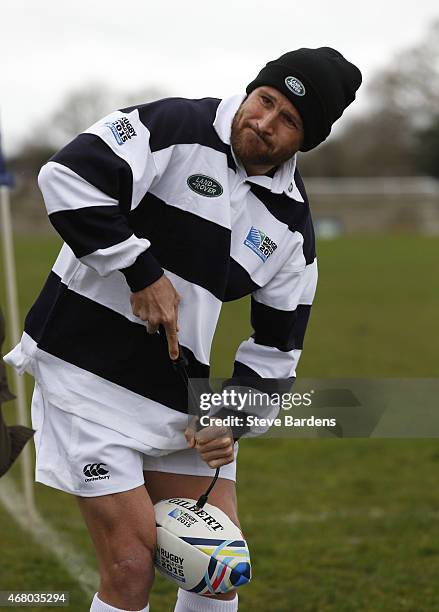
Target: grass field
[333, 525]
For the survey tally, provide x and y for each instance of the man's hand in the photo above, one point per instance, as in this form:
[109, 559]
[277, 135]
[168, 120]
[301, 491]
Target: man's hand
[214, 443]
[158, 305]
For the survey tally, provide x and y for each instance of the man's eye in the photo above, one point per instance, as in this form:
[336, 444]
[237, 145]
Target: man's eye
[265, 100]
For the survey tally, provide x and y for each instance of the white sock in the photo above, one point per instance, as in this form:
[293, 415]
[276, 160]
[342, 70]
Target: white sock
[191, 602]
[97, 605]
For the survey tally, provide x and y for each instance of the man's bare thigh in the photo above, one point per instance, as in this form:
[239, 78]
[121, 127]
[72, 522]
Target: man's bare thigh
[163, 485]
[119, 521]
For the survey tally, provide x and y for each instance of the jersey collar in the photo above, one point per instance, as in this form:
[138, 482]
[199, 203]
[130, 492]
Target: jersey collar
[283, 180]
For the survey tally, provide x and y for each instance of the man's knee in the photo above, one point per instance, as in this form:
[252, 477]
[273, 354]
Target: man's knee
[122, 527]
[127, 570]
[129, 558]
[131, 570]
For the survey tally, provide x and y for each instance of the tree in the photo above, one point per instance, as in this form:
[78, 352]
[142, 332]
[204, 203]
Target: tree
[404, 98]
[82, 107]
[428, 149]
[79, 111]
[409, 86]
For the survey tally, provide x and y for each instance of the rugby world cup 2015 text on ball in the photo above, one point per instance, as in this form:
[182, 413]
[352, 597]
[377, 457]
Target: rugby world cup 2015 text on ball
[205, 516]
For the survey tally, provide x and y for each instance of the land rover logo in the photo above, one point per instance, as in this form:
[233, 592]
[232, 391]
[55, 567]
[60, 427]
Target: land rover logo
[205, 185]
[296, 86]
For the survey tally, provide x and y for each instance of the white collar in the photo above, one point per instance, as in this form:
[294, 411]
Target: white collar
[283, 179]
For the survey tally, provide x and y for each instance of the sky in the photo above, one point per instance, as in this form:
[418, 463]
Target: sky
[192, 49]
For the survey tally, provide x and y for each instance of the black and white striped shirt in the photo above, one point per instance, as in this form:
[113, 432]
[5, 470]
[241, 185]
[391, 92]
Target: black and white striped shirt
[151, 188]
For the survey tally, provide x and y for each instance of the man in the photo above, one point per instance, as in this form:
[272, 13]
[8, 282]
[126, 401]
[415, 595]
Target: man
[13, 438]
[167, 210]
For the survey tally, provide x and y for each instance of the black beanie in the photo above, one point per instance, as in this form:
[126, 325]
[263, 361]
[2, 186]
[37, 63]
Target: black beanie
[320, 83]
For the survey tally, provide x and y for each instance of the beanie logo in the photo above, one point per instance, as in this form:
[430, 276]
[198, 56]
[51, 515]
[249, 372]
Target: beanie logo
[296, 86]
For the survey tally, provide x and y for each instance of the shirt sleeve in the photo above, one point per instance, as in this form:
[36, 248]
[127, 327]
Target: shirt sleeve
[279, 315]
[91, 186]
[267, 361]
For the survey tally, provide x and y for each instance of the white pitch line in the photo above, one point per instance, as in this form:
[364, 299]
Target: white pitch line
[73, 561]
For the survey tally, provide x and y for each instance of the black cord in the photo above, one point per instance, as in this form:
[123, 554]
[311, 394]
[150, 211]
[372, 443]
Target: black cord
[203, 498]
[180, 364]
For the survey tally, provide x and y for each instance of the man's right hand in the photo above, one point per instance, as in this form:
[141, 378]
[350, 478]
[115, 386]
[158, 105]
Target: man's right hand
[157, 304]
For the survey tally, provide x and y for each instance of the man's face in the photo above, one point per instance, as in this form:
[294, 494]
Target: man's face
[266, 131]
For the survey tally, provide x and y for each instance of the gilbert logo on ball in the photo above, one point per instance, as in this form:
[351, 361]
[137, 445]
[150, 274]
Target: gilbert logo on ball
[200, 550]
[204, 185]
[296, 86]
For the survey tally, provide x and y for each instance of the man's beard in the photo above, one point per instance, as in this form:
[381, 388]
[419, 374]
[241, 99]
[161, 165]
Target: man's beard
[249, 155]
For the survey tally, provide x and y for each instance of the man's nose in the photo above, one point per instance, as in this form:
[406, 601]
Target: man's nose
[265, 123]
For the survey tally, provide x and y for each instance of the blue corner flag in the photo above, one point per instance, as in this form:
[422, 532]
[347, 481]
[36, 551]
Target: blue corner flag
[6, 178]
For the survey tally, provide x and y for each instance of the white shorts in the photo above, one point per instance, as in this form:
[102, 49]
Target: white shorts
[87, 459]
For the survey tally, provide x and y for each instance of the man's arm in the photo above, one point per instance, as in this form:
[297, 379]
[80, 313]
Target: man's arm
[267, 361]
[89, 189]
[279, 316]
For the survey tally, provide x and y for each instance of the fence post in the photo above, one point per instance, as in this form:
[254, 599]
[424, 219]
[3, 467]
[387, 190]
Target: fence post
[14, 326]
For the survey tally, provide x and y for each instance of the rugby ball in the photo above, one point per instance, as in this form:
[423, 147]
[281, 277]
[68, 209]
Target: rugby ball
[200, 550]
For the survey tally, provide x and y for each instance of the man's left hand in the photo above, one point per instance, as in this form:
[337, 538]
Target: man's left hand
[214, 444]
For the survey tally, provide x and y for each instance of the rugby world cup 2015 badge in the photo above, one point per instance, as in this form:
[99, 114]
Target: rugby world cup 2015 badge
[260, 243]
[122, 130]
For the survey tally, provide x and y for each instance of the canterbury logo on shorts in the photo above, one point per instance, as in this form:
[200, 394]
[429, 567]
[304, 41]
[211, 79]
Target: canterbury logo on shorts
[96, 471]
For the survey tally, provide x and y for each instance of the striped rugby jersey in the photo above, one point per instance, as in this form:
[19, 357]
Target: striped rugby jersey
[151, 188]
